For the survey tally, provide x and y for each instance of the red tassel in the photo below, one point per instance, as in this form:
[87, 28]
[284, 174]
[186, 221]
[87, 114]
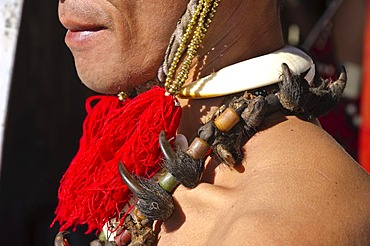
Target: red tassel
[91, 191]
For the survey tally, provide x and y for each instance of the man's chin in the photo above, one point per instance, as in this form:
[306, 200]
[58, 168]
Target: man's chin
[99, 85]
[114, 80]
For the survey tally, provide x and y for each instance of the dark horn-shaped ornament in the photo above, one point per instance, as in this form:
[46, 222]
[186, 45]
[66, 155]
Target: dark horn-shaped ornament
[153, 202]
[129, 180]
[184, 168]
[166, 148]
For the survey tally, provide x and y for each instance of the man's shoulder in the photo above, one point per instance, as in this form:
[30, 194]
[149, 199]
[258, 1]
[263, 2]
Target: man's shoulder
[263, 227]
[301, 187]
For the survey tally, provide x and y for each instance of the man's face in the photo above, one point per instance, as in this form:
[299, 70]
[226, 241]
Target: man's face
[118, 44]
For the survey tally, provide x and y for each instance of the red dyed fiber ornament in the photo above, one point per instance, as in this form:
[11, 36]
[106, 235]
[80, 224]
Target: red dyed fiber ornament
[91, 191]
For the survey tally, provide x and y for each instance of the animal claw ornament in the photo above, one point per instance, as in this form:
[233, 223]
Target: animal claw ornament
[328, 93]
[251, 109]
[185, 169]
[309, 99]
[152, 201]
[254, 113]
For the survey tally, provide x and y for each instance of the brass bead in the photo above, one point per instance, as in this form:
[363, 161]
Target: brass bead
[227, 120]
[122, 96]
[186, 66]
[182, 46]
[187, 62]
[176, 59]
[171, 70]
[181, 73]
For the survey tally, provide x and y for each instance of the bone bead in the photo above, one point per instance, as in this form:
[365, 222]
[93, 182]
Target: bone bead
[227, 120]
[198, 149]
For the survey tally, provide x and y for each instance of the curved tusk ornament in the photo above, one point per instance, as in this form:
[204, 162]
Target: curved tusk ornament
[242, 76]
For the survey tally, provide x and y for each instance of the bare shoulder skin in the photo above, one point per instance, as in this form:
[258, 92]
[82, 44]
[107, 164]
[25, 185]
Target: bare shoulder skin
[296, 185]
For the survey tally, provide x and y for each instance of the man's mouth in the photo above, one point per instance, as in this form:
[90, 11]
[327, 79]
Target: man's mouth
[79, 34]
[75, 26]
[80, 31]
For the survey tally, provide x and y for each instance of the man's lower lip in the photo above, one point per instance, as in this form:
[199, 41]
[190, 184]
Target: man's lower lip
[77, 38]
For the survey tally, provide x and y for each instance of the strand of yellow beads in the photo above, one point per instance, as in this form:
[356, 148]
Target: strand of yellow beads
[203, 17]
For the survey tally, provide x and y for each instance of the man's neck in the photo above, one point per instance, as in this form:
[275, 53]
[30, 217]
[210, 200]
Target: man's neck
[228, 42]
[235, 36]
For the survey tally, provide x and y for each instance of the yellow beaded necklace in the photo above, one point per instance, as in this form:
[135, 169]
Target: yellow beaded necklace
[203, 15]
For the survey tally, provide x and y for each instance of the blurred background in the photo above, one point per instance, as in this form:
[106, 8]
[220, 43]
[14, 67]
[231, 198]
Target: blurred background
[46, 106]
[45, 114]
[332, 32]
